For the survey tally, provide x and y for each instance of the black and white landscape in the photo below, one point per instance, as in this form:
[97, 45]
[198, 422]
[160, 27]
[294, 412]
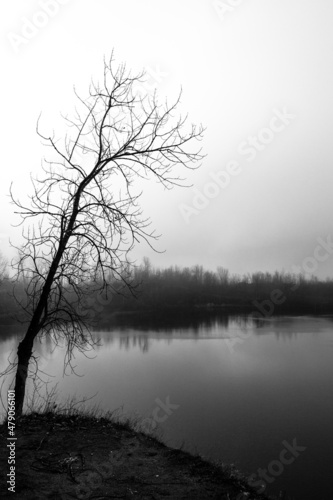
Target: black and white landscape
[166, 235]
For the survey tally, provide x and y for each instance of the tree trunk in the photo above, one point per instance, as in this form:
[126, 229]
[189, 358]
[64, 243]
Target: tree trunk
[24, 353]
[25, 347]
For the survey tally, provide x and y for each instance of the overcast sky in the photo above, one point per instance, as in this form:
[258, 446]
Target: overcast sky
[257, 74]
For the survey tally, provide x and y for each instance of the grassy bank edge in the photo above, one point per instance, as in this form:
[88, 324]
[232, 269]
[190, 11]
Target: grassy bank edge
[75, 413]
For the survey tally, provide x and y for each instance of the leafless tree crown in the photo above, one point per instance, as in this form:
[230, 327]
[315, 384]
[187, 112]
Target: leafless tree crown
[85, 209]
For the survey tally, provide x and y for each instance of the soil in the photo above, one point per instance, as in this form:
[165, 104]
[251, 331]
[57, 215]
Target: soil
[64, 457]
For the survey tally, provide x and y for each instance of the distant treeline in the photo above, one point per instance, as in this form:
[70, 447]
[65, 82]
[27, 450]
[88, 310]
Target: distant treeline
[195, 290]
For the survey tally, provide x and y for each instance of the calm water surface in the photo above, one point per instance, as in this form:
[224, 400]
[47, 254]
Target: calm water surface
[238, 391]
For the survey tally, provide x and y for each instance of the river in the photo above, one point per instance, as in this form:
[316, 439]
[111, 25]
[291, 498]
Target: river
[253, 393]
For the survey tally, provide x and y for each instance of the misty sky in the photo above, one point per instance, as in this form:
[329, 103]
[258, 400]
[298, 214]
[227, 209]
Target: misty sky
[257, 75]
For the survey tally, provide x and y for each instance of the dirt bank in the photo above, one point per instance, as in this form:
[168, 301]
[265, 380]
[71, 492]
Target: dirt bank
[65, 457]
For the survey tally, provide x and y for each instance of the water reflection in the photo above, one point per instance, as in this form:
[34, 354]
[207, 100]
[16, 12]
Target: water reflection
[226, 328]
[234, 405]
[215, 327]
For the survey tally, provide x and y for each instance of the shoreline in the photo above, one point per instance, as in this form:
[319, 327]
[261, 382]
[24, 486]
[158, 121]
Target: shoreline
[63, 456]
[167, 318]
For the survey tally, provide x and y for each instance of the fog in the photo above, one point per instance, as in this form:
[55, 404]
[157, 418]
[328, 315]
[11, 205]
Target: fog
[258, 76]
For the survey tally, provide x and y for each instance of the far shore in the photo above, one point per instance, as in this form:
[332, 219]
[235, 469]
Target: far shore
[172, 317]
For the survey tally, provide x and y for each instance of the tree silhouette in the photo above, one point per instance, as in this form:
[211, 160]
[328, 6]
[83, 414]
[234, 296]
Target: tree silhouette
[85, 209]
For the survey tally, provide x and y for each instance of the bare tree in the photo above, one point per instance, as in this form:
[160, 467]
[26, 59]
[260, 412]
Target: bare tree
[223, 274]
[85, 209]
[3, 268]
